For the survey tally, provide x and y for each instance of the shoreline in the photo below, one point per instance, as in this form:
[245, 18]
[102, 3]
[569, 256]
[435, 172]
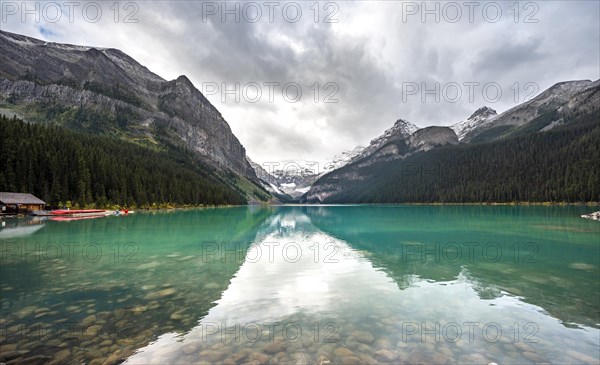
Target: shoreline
[549, 204]
[158, 209]
[355, 204]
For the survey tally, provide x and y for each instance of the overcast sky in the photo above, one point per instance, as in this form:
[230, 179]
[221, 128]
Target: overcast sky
[373, 61]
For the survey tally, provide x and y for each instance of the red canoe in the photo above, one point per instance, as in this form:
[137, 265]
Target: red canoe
[76, 211]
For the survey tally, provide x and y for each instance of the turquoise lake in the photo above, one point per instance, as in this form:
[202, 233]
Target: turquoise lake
[304, 285]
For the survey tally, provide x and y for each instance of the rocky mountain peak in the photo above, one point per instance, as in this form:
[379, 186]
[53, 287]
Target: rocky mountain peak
[481, 116]
[400, 130]
[404, 127]
[183, 80]
[483, 112]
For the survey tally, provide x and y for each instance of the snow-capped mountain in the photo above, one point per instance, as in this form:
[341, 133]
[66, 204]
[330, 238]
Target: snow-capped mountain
[295, 177]
[342, 159]
[291, 177]
[400, 130]
[479, 117]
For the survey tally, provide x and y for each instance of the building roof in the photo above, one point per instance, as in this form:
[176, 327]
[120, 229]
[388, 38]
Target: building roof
[20, 198]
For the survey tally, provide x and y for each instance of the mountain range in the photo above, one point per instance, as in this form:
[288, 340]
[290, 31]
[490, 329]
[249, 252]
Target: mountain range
[545, 149]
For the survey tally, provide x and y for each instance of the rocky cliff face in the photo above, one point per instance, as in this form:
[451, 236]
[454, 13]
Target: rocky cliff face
[586, 100]
[262, 174]
[431, 137]
[106, 91]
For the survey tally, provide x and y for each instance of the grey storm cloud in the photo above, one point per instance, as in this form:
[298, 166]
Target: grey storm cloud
[510, 55]
[371, 54]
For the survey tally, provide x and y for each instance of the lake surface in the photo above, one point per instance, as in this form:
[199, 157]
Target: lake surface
[305, 285]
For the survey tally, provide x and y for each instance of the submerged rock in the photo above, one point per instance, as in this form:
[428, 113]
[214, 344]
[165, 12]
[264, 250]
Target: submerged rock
[8, 348]
[366, 359]
[212, 285]
[582, 266]
[139, 309]
[178, 316]
[61, 356]
[350, 360]
[92, 331]
[301, 358]
[148, 265]
[382, 343]
[363, 336]
[322, 360]
[274, 347]
[257, 356]
[440, 358]
[386, 355]
[26, 311]
[34, 360]
[343, 352]
[89, 320]
[161, 293]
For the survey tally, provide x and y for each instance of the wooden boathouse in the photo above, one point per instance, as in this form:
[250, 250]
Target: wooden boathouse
[13, 203]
